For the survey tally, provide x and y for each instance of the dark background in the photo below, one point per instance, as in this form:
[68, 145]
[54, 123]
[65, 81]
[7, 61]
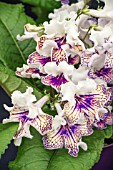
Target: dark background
[106, 160]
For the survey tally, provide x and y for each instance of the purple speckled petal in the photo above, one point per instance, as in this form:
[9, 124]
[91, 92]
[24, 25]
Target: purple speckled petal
[36, 58]
[58, 55]
[42, 123]
[105, 73]
[88, 104]
[41, 41]
[85, 57]
[55, 82]
[109, 60]
[53, 140]
[66, 136]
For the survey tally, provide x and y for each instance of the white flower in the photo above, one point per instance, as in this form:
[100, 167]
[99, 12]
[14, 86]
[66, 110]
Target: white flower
[28, 114]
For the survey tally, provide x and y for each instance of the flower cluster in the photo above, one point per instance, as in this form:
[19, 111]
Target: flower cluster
[74, 56]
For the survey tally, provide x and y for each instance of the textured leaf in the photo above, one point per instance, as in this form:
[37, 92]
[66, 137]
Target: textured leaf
[7, 132]
[10, 82]
[42, 8]
[39, 12]
[47, 4]
[12, 19]
[32, 155]
[108, 131]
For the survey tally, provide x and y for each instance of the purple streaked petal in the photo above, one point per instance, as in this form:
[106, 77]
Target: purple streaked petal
[29, 72]
[36, 58]
[105, 73]
[55, 82]
[109, 60]
[60, 41]
[42, 123]
[66, 136]
[88, 104]
[74, 60]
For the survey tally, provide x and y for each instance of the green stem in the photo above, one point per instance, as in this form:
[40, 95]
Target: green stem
[81, 11]
[52, 94]
[87, 33]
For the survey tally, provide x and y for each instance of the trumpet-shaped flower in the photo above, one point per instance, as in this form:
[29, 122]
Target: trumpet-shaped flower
[66, 136]
[28, 114]
[85, 102]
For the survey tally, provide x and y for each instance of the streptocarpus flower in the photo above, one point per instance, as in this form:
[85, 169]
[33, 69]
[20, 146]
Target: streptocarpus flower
[66, 136]
[86, 103]
[99, 59]
[28, 114]
[53, 62]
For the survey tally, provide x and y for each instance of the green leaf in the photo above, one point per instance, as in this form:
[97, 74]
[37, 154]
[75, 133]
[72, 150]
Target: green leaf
[32, 155]
[47, 4]
[41, 11]
[42, 8]
[12, 20]
[7, 132]
[10, 82]
[108, 131]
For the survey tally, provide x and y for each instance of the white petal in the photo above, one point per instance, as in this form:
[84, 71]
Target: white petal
[18, 141]
[8, 108]
[28, 35]
[23, 99]
[79, 74]
[68, 91]
[86, 86]
[51, 68]
[83, 145]
[97, 61]
[65, 68]
[46, 50]
[58, 121]
[33, 111]
[42, 101]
